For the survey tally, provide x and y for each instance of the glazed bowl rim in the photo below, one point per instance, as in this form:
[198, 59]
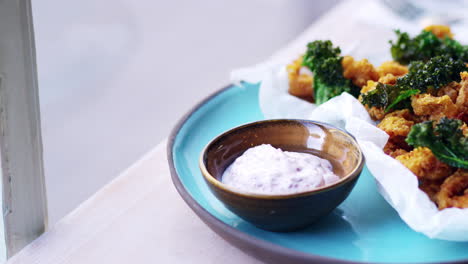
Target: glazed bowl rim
[343, 180]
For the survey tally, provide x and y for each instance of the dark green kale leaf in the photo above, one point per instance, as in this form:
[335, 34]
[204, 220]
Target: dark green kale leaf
[425, 46]
[422, 77]
[324, 61]
[446, 141]
[381, 96]
[435, 73]
[329, 81]
[318, 51]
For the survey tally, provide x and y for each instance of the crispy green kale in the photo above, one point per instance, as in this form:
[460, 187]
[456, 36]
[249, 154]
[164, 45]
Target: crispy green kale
[389, 97]
[446, 141]
[425, 46]
[324, 61]
[434, 74]
[421, 78]
[318, 51]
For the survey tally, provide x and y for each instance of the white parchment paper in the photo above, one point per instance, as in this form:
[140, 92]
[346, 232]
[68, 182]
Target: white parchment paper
[397, 184]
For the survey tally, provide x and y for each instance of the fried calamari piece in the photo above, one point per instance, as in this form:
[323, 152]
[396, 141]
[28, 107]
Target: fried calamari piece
[406, 114]
[300, 84]
[425, 165]
[390, 148]
[398, 152]
[395, 126]
[359, 71]
[431, 188]
[396, 146]
[451, 90]
[440, 31]
[454, 191]
[394, 149]
[388, 79]
[375, 113]
[433, 107]
[392, 67]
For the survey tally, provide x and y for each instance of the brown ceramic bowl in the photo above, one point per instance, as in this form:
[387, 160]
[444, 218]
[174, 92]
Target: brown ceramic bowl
[292, 211]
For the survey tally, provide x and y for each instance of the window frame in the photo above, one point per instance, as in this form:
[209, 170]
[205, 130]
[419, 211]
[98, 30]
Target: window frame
[23, 182]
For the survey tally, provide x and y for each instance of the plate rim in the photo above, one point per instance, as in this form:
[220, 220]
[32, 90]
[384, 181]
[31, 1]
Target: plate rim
[255, 247]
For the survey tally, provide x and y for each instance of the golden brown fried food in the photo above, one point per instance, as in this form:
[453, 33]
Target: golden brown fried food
[441, 31]
[431, 188]
[433, 107]
[393, 149]
[375, 113]
[454, 191]
[464, 129]
[398, 152]
[393, 68]
[370, 85]
[396, 146]
[404, 113]
[388, 79]
[462, 99]
[395, 126]
[425, 165]
[390, 148]
[451, 90]
[300, 84]
[358, 71]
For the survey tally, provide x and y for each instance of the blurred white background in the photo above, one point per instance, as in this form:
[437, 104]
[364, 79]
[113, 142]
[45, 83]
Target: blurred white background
[115, 76]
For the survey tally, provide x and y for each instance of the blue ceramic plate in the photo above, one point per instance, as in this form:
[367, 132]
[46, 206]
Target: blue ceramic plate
[364, 228]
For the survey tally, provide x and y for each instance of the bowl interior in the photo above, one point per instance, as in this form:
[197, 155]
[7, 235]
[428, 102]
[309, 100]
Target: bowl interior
[320, 139]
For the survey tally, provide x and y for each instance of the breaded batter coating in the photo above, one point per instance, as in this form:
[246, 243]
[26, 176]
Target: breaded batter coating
[375, 113]
[462, 98]
[464, 129]
[433, 107]
[451, 90]
[454, 191]
[393, 68]
[359, 71]
[300, 84]
[425, 165]
[431, 188]
[388, 79]
[370, 85]
[396, 146]
[398, 152]
[441, 31]
[395, 126]
[393, 149]
[404, 113]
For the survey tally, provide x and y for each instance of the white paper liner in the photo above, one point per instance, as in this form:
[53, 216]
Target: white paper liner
[397, 184]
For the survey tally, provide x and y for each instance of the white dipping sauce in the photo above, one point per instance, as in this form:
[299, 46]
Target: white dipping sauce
[266, 170]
